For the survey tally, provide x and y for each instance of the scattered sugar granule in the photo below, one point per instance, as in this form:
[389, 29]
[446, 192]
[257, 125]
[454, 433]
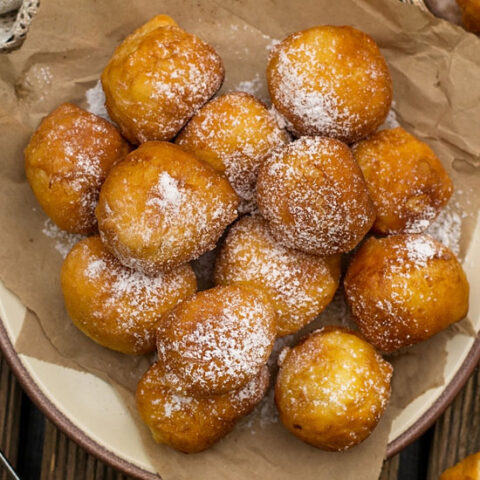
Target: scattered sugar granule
[64, 241]
[391, 121]
[96, 101]
[166, 194]
[272, 44]
[252, 86]
[44, 74]
[420, 250]
[447, 229]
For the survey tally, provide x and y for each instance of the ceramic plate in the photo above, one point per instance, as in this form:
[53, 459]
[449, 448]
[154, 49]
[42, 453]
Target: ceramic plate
[105, 428]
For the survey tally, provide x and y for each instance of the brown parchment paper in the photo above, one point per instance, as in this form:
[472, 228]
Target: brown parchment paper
[435, 68]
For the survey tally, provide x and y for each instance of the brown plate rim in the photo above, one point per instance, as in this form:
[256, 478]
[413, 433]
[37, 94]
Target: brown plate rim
[441, 403]
[110, 458]
[49, 409]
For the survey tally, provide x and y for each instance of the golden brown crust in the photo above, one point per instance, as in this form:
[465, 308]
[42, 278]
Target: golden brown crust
[66, 162]
[467, 469]
[403, 289]
[314, 198]
[234, 133]
[157, 78]
[299, 285]
[406, 181]
[330, 81]
[162, 207]
[192, 424]
[115, 306]
[217, 340]
[470, 14]
[332, 388]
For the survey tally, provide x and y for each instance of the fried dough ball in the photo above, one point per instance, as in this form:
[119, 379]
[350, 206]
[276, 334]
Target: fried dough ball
[299, 285]
[467, 469]
[66, 162]
[314, 198]
[234, 133]
[162, 207]
[470, 14]
[330, 81]
[332, 388]
[406, 181]
[403, 289]
[158, 78]
[217, 340]
[192, 424]
[118, 307]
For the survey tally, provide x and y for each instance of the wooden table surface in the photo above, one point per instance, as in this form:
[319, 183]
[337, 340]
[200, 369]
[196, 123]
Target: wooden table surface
[38, 450]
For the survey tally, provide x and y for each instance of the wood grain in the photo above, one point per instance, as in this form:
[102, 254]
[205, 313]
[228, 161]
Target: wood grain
[390, 468]
[64, 459]
[457, 431]
[10, 408]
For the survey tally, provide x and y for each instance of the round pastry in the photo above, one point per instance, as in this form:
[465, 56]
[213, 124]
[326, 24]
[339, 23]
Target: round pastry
[314, 198]
[299, 285]
[403, 289]
[406, 181]
[217, 340]
[192, 424]
[470, 14]
[234, 133]
[162, 207]
[66, 162]
[158, 78]
[332, 388]
[330, 81]
[118, 307]
[466, 469]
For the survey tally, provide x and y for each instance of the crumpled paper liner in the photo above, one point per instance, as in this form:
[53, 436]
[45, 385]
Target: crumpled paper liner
[434, 67]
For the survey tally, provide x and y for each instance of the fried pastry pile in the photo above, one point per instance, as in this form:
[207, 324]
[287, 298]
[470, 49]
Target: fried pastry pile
[167, 185]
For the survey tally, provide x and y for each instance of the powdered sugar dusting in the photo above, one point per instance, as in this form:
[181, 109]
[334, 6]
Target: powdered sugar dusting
[222, 347]
[381, 302]
[178, 75]
[96, 101]
[234, 132]
[81, 149]
[336, 313]
[313, 182]
[273, 43]
[299, 285]
[391, 121]
[406, 181]
[339, 370]
[167, 195]
[64, 241]
[169, 409]
[131, 299]
[282, 122]
[264, 416]
[315, 92]
[171, 218]
[420, 249]
[252, 86]
[321, 110]
[412, 252]
[447, 228]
